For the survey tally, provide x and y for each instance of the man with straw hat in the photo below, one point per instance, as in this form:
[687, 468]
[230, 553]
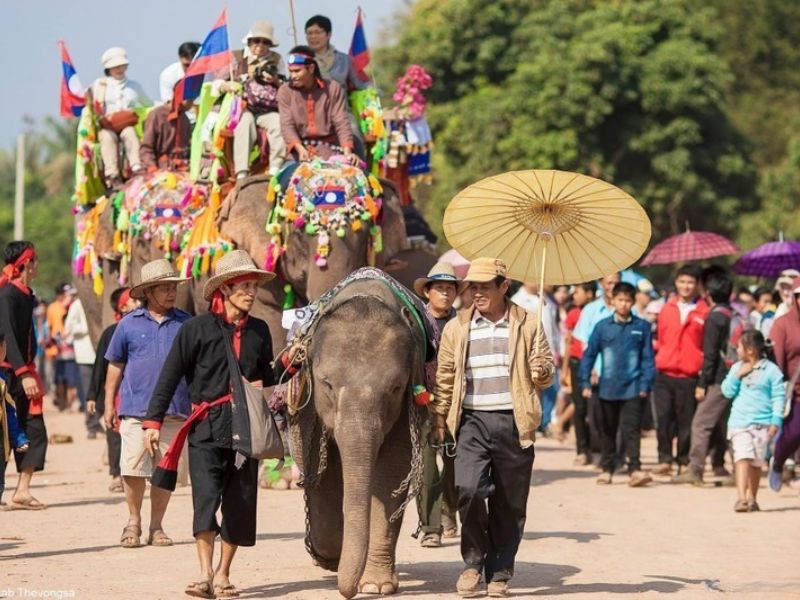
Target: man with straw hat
[437, 502]
[494, 363]
[220, 476]
[137, 350]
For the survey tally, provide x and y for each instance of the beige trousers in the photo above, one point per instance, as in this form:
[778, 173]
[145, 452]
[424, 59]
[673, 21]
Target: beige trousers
[244, 137]
[109, 149]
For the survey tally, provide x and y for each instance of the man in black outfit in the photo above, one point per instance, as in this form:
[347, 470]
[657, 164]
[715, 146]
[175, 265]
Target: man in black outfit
[122, 303]
[17, 302]
[199, 354]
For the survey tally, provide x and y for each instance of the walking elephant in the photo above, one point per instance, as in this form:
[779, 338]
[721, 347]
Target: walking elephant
[357, 436]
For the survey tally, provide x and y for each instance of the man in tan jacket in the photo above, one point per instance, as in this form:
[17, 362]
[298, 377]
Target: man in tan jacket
[492, 370]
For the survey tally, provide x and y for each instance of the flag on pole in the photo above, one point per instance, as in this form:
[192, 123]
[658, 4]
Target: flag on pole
[213, 55]
[358, 48]
[72, 92]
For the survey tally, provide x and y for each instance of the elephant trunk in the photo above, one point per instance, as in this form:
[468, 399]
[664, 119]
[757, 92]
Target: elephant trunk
[359, 453]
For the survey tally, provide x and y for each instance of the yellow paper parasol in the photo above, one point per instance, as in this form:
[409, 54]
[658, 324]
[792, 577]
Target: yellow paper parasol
[553, 227]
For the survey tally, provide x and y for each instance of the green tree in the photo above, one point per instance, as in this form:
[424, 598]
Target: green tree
[49, 168]
[632, 91]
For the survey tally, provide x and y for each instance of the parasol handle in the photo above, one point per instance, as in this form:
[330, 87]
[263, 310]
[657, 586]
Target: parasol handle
[536, 345]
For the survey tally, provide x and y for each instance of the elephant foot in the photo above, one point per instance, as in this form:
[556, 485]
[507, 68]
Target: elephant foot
[378, 580]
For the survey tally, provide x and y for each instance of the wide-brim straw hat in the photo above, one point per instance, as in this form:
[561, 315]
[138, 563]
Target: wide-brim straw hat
[234, 264]
[261, 29]
[441, 271]
[114, 57]
[485, 269]
[155, 273]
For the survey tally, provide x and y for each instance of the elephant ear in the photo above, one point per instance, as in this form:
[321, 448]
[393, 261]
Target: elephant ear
[393, 228]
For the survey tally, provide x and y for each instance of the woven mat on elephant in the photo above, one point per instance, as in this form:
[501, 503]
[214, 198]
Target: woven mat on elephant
[323, 199]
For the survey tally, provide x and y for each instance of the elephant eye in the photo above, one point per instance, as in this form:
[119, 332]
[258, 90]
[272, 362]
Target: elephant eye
[326, 383]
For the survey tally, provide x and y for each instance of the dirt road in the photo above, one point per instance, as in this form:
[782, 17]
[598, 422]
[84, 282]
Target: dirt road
[581, 540]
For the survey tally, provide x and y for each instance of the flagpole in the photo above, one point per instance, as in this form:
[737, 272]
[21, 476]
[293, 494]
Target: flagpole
[228, 39]
[294, 22]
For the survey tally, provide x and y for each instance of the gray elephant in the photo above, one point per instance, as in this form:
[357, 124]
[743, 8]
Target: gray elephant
[357, 435]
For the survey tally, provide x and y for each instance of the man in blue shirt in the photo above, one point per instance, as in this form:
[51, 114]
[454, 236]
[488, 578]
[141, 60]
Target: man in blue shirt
[625, 343]
[137, 351]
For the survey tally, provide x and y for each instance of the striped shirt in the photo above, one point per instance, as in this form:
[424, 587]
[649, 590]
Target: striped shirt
[488, 385]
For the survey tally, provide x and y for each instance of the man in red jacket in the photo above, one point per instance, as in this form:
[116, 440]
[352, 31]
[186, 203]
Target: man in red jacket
[679, 357]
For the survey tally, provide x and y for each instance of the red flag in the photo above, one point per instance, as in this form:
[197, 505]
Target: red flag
[72, 92]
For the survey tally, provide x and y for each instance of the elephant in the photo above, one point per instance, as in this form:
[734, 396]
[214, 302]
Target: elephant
[242, 218]
[357, 436]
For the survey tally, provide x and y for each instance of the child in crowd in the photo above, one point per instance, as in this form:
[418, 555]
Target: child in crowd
[14, 437]
[625, 344]
[755, 385]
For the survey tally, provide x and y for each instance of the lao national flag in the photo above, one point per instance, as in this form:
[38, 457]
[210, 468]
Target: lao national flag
[358, 48]
[212, 56]
[72, 92]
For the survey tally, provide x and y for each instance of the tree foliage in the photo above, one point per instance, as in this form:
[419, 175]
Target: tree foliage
[647, 94]
[49, 169]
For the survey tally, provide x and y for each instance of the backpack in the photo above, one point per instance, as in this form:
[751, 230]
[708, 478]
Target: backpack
[737, 325]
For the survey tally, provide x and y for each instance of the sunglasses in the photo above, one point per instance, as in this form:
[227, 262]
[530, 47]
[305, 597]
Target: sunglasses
[262, 41]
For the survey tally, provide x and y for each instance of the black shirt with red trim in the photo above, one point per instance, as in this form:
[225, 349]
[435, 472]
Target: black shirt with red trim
[198, 354]
[16, 322]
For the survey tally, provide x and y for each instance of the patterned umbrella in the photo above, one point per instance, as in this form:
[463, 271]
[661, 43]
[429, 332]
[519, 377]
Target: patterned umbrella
[691, 245]
[460, 264]
[768, 260]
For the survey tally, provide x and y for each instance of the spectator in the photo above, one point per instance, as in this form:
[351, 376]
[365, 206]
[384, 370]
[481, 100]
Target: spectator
[712, 407]
[56, 315]
[763, 316]
[784, 286]
[785, 335]
[679, 357]
[755, 386]
[573, 352]
[173, 73]
[626, 344]
[76, 328]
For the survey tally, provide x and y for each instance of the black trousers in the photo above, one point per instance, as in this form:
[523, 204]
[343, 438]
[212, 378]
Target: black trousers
[216, 482]
[114, 445]
[493, 478]
[675, 406]
[581, 417]
[624, 415]
[37, 435]
[438, 497]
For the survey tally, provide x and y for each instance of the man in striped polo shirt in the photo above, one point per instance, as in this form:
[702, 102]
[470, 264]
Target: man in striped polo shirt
[492, 370]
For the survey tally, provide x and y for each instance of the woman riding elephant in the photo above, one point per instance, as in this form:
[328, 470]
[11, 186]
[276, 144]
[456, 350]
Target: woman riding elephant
[115, 97]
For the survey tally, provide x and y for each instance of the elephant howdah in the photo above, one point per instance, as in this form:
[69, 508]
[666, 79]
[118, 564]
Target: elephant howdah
[355, 428]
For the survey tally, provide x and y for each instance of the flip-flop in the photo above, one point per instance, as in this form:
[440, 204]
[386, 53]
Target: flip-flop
[226, 591]
[159, 538]
[200, 589]
[132, 533]
[27, 504]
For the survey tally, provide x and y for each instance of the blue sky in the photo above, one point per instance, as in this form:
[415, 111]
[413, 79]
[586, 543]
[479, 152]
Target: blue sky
[149, 30]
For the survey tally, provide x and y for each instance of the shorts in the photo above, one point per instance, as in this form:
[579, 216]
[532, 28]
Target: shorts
[67, 373]
[750, 443]
[135, 464]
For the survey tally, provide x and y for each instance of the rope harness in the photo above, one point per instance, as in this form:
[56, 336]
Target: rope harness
[306, 429]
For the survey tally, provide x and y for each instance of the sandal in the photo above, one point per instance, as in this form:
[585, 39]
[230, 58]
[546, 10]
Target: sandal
[115, 487]
[741, 506]
[131, 536]
[157, 537]
[30, 503]
[200, 589]
[226, 591]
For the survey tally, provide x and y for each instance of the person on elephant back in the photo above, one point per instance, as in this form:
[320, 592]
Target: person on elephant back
[165, 144]
[259, 72]
[314, 113]
[115, 98]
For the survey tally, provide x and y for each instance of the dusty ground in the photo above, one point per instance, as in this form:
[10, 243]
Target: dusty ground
[582, 541]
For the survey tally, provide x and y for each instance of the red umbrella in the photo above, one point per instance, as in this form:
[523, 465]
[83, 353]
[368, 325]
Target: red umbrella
[691, 245]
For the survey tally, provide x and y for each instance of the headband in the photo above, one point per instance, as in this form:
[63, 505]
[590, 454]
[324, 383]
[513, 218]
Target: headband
[300, 59]
[123, 299]
[14, 270]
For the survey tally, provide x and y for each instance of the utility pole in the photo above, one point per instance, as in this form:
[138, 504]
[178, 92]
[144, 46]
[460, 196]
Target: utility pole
[19, 196]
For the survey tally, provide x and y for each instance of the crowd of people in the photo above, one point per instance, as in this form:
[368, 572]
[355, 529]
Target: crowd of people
[610, 361]
[293, 112]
